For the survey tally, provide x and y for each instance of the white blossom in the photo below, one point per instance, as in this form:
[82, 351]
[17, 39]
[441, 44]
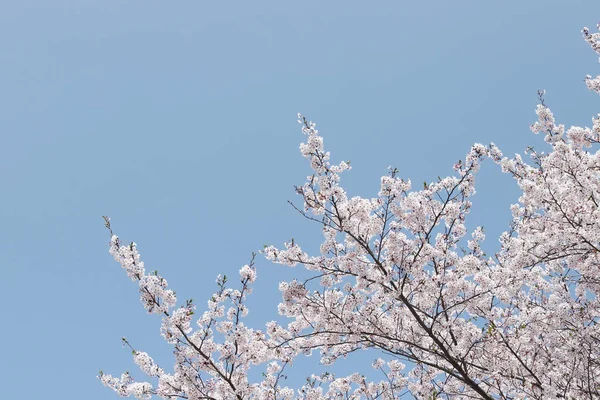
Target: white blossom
[404, 273]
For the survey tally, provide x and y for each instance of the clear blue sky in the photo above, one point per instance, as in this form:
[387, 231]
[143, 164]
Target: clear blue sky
[178, 120]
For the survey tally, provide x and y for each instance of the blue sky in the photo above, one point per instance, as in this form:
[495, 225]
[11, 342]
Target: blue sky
[178, 120]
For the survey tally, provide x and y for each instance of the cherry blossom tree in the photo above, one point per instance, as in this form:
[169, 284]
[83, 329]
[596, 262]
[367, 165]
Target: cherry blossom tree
[399, 273]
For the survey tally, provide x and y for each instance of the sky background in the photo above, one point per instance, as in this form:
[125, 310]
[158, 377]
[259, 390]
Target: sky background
[178, 120]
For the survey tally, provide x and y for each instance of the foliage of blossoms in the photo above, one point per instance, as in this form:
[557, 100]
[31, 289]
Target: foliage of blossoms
[400, 274]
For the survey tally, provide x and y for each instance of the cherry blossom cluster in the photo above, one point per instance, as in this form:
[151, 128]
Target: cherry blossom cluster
[401, 274]
[594, 40]
[213, 357]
